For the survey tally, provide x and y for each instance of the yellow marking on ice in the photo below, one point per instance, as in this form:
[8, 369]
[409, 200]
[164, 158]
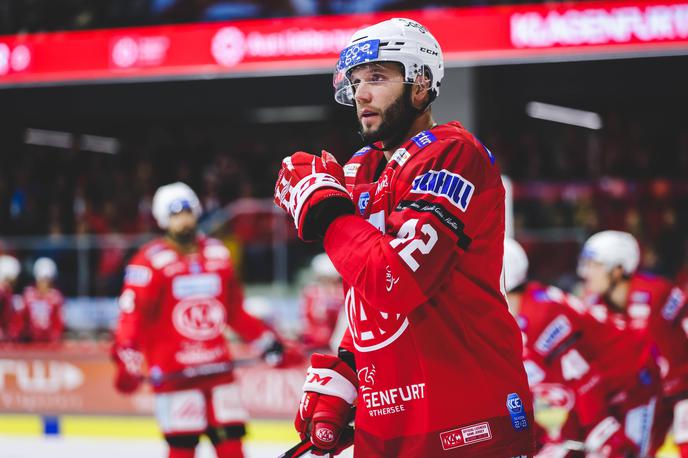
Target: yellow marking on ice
[21, 425]
[90, 426]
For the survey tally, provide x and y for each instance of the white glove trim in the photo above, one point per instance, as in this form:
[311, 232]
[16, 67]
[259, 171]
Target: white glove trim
[601, 433]
[330, 382]
[306, 187]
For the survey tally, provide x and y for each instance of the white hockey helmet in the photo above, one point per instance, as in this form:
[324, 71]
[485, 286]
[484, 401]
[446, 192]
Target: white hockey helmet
[613, 249]
[173, 198]
[9, 268]
[515, 264]
[395, 40]
[44, 268]
[323, 267]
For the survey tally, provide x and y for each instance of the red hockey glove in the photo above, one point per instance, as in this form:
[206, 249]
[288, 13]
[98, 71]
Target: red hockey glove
[607, 439]
[326, 407]
[311, 190]
[129, 363]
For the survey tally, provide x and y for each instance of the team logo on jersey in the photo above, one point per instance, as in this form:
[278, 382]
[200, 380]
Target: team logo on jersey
[676, 301]
[423, 139]
[372, 330]
[468, 435]
[137, 275]
[363, 200]
[444, 183]
[555, 333]
[366, 377]
[390, 280]
[515, 406]
[199, 318]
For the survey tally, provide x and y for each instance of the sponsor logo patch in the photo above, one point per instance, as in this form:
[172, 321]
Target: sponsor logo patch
[676, 301]
[515, 406]
[204, 285]
[443, 183]
[362, 151]
[351, 169]
[357, 53]
[363, 200]
[553, 335]
[137, 275]
[423, 139]
[468, 435]
[400, 156]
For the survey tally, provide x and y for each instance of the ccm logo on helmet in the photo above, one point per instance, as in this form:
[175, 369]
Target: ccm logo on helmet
[429, 51]
[443, 183]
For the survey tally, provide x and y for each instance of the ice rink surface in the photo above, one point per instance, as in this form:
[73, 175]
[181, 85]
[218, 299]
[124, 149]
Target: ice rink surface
[76, 447]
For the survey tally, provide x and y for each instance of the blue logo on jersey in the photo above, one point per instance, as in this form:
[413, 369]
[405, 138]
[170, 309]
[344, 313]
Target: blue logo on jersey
[443, 183]
[358, 53]
[362, 151]
[675, 303]
[518, 419]
[363, 202]
[423, 139]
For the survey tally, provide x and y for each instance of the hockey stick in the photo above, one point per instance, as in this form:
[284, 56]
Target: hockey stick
[157, 378]
[306, 446]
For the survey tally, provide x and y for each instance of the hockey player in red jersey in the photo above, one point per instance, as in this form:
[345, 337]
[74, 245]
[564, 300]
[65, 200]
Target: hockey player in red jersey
[414, 223]
[321, 302]
[40, 317]
[565, 345]
[9, 271]
[647, 304]
[179, 293]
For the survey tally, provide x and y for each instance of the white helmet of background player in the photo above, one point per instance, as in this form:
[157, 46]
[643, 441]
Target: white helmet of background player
[323, 267]
[612, 249]
[173, 198]
[515, 264]
[9, 268]
[44, 269]
[395, 40]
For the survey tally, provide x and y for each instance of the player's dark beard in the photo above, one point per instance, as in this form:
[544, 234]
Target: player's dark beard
[184, 237]
[396, 122]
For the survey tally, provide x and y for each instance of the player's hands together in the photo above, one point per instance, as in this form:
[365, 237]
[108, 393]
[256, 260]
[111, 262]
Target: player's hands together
[311, 189]
[326, 407]
[129, 363]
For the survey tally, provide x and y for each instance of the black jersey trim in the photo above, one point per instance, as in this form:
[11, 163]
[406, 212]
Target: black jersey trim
[453, 223]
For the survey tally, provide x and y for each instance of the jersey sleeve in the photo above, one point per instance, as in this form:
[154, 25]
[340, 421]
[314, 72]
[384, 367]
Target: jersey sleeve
[140, 293]
[248, 327]
[445, 195]
[56, 320]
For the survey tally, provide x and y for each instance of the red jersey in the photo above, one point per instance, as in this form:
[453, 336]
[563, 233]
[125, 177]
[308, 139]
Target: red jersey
[437, 352]
[657, 308]
[174, 307]
[320, 305]
[41, 315]
[6, 312]
[565, 345]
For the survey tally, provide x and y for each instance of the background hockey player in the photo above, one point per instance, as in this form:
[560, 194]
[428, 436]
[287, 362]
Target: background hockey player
[642, 303]
[614, 393]
[40, 317]
[9, 271]
[321, 303]
[179, 293]
[414, 223]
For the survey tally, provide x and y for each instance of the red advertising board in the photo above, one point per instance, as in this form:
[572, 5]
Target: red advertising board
[311, 44]
[77, 378]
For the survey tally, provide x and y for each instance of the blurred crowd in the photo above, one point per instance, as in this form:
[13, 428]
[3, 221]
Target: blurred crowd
[564, 179]
[17, 16]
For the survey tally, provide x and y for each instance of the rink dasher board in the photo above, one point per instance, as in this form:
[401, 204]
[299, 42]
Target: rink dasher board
[279, 431]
